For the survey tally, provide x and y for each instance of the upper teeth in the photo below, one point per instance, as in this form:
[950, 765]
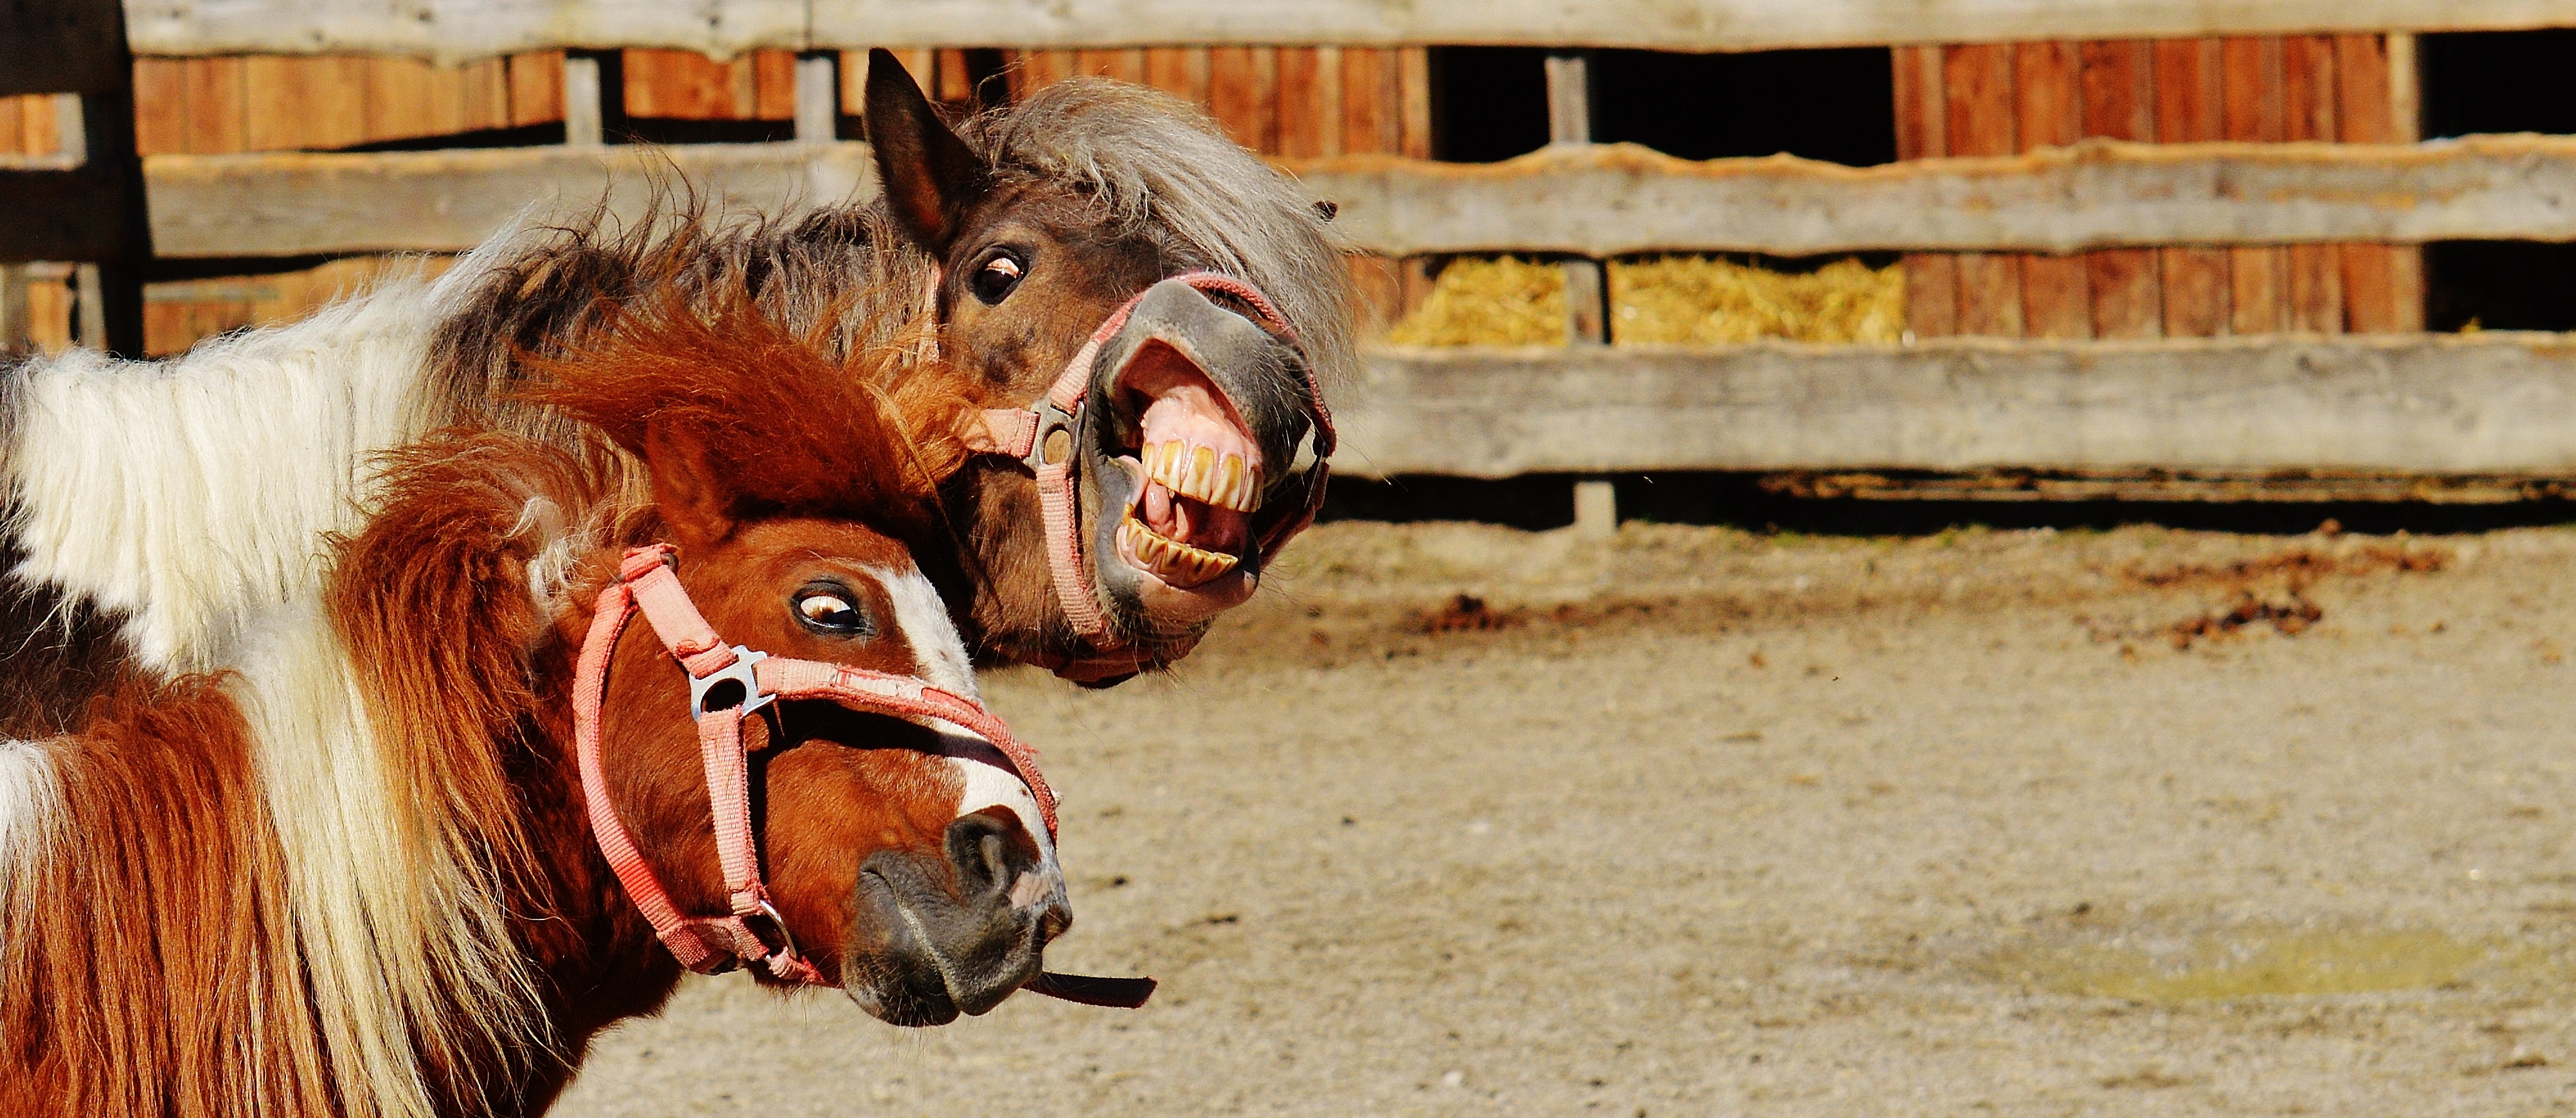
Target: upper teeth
[1199, 473]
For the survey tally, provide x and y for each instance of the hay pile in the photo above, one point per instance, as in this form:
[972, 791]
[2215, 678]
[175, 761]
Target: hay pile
[1674, 300]
[1693, 300]
[1489, 302]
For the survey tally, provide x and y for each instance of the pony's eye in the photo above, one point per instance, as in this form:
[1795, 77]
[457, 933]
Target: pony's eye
[831, 613]
[994, 281]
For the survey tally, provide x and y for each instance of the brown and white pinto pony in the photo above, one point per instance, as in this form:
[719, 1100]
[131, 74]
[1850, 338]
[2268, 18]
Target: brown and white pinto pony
[353, 875]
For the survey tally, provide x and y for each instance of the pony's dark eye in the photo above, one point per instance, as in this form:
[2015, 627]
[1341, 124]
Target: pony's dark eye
[832, 612]
[994, 281]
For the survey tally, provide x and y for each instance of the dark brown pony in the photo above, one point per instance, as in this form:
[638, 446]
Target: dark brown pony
[254, 893]
[1001, 244]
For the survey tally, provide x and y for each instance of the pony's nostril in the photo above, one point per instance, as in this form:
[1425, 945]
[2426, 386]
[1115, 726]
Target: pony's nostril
[989, 852]
[996, 867]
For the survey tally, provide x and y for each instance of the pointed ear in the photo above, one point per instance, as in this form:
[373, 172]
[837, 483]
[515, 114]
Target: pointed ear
[694, 502]
[930, 175]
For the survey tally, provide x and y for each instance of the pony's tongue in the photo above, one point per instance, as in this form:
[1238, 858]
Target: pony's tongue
[1202, 482]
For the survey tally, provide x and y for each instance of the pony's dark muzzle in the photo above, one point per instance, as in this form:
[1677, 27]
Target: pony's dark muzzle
[1200, 413]
[956, 932]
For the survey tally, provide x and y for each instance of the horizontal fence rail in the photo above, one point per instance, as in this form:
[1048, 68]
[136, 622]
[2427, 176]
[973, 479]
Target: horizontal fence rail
[474, 28]
[2490, 404]
[1590, 201]
[448, 201]
[1612, 200]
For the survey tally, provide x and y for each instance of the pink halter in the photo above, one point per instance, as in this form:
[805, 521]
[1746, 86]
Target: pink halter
[1023, 434]
[713, 945]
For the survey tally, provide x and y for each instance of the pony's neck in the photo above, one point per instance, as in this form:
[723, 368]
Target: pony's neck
[596, 957]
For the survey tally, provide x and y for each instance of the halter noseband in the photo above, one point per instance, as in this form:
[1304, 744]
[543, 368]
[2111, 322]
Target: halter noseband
[1028, 436]
[753, 932]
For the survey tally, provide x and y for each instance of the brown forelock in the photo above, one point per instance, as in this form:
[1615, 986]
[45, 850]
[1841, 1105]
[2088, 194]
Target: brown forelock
[789, 428]
[845, 786]
[151, 968]
[434, 599]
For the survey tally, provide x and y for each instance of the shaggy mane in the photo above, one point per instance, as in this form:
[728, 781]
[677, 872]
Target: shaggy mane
[793, 428]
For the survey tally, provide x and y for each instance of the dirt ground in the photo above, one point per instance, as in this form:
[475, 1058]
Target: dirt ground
[1698, 822]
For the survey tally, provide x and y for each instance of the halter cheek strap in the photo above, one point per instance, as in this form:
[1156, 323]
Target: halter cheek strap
[1027, 434]
[727, 684]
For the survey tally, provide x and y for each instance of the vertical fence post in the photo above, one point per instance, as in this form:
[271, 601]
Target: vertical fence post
[1587, 287]
[1569, 121]
[818, 99]
[585, 114]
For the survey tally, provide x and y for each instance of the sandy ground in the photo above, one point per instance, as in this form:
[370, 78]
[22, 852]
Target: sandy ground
[1698, 822]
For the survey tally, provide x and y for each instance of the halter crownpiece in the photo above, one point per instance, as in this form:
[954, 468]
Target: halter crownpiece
[727, 683]
[1029, 436]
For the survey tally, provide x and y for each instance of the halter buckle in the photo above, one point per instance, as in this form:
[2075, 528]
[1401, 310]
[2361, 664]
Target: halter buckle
[1051, 419]
[739, 672]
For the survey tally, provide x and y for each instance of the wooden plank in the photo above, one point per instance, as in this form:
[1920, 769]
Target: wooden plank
[1977, 90]
[2057, 300]
[949, 82]
[2315, 287]
[773, 82]
[2437, 404]
[2119, 103]
[160, 108]
[1931, 294]
[1413, 94]
[1370, 112]
[62, 46]
[2377, 300]
[1243, 95]
[1922, 132]
[448, 201]
[485, 93]
[1126, 65]
[1616, 199]
[455, 29]
[683, 85]
[2190, 91]
[311, 104]
[1034, 71]
[410, 97]
[536, 88]
[2257, 302]
[2405, 126]
[1310, 102]
[1179, 71]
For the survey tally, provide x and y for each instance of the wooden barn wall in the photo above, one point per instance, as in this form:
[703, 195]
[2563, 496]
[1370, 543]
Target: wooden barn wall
[1280, 101]
[313, 103]
[2001, 99]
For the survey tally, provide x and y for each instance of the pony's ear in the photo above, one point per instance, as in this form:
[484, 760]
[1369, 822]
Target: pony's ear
[694, 501]
[930, 175]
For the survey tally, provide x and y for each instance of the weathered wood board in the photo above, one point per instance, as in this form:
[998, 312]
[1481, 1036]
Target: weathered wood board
[446, 201]
[454, 29]
[1617, 199]
[2494, 403]
[1602, 201]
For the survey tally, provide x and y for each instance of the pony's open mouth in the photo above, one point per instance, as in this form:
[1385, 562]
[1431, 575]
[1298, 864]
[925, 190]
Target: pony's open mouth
[1201, 473]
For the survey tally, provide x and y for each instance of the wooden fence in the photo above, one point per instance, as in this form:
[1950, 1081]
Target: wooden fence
[2083, 177]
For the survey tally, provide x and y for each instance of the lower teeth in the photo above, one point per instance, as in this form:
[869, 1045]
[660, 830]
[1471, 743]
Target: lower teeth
[1171, 560]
